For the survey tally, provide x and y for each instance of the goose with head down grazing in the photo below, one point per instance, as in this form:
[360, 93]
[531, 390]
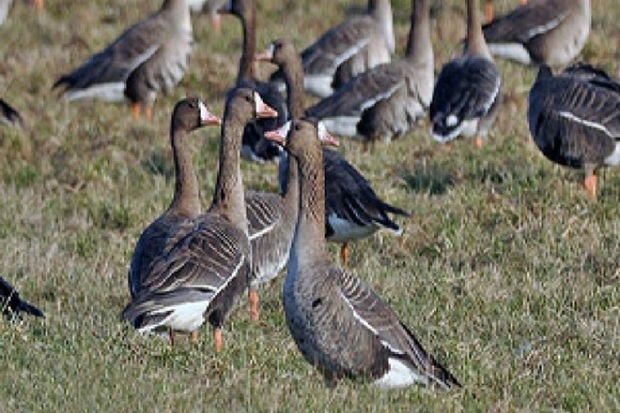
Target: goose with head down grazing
[353, 209]
[205, 263]
[466, 95]
[550, 32]
[12, 305]
[574, 118]
[148, 58]
[188, 115]
[387, 100]
[255, 147]
[340, 325]
[347, 50]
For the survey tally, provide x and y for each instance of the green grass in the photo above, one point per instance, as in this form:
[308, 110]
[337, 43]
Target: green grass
[506, 271]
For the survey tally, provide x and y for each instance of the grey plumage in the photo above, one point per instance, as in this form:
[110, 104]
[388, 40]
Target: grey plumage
[550, 32]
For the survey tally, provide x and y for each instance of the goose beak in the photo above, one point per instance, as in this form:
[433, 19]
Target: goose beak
[265, 56]
[279, 135]
[263, 110]
[208, 118]
[326, 138]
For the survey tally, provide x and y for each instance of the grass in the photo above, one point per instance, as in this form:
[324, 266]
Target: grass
[506, 271]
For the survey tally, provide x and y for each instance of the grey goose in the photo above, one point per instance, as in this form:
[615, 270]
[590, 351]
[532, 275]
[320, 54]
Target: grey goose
[9, 115]
[353, 209]
[148, 58]
[188, 115]
[205, 263]
[466, 95]
[255, 147]
[574, 118]
[340, 325]
[347, 50]
[550, 32]
[12, 305]
[387, 100]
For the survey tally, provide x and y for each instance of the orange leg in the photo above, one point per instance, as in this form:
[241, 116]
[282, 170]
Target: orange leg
[344, 254]
[590, 185]
[478, 142]
[135, 110]
[523, 2]
[39, 4]
[171, 337]
[489, 11]
[219, 340]
[253, 295]
[148, 112]
[194, 337]
[216, 22]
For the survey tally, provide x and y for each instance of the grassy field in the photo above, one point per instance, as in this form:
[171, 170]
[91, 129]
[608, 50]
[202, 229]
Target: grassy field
[506, 271]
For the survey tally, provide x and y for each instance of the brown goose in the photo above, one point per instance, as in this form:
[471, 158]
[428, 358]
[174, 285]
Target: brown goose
[255, 146]
[353, 209]
[339, 323]
[387, 100]
[188, 114]
[11, 305]
[348, 49]
[466, 95]
[10, 116]
[205, 264]
[574, 118]
[550, 32]
[149, 58]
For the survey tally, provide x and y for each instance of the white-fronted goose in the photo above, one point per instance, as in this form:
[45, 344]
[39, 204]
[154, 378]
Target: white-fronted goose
[466, 95]
[574, 118]
[387, 100]
[12, 305]
[339, 323]
[188, 114]
[10, 116]
[550, 32]
[149, 58]
[348, 49]
[353, 208]
[255, 146]
[205, 264]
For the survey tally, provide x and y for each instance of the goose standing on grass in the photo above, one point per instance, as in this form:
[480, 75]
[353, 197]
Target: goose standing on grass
[466, 96]
[10, 116]
[12, 305]
[188, 114]
[574, 118]
[340, 325]
[550, 32]
[149, 58]
[387, 100]
[348, 49]
[353, 209]
[255, 147]
[205, 264]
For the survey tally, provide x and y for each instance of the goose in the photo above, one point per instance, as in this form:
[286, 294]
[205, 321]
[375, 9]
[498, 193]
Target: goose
[387, 100]
[255, 147]
[188, 115]
[489, 9]
[10, 116]
[347, 50]
[148, 58]
[466, 96]
[550, 32]
[213, 7]
[340, 325]
[12, 305]
[353, 209]
[574, 118]
[205, 263]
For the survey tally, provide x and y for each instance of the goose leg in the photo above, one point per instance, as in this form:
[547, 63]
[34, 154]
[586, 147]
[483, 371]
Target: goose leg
[39, 4]
[148, 112]
[135, 110]
[194, 336]
[523, 2]
[344, 254]
[219, 340]
[253, 295]
[489, 11]
[478, 142]
[590, 184]
[216, 22]
[171, 337]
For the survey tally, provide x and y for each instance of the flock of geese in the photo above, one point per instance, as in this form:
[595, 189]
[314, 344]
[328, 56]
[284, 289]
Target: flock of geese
[191, 266]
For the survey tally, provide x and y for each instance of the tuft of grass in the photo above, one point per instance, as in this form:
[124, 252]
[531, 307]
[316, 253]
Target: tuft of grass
[505, 270]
